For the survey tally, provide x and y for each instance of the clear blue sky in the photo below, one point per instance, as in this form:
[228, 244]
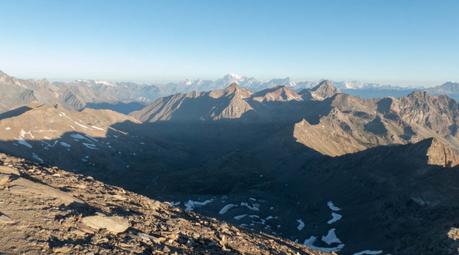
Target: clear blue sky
[401, 41]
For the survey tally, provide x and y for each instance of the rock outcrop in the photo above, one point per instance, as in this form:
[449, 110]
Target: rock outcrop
[440, 154]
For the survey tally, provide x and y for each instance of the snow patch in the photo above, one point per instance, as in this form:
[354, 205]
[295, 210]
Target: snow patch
[300, 224]
[331, 237]
[21, 141]
[254, 207]
[333, 207]
[90, 146]
[97, 128]
[310, 243]
[239, 217]
[37, 158]
[81, 125]
[191, 205]
[368, 252]
[335, 217]
[226, 208]
[23, 134]
[64, 144]
[78, 136]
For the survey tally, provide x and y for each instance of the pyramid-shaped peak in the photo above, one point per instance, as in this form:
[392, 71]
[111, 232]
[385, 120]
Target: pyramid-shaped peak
[232, 90]
[325, 84]
[418, 94]
[324, 89]
[232, 87]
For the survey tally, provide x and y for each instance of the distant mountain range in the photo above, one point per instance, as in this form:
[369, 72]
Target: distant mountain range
[327, 121]
[126, 97]
[304, 163]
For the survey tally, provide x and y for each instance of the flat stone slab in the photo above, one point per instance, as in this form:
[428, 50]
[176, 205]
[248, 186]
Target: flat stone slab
[113, 224]
[9, 170]
[27, 187]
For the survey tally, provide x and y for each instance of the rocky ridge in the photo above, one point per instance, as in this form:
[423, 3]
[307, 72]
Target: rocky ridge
[47, 210]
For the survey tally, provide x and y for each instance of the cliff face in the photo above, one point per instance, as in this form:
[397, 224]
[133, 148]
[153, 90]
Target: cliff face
[441, 154]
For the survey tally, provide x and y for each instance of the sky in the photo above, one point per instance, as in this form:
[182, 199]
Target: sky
[403, 42]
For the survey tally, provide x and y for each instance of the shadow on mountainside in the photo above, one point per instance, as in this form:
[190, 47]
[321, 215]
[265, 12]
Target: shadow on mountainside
[14, 112]
[390, 198]
[120, 107]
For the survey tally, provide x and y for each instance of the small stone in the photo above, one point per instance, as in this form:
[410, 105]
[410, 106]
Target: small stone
[5, 219]
[4, 180]
[119, 197]
[62, 250]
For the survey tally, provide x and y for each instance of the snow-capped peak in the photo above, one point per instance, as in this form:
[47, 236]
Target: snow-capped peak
[233, 76]
[351, 85]
[106, 83]
[188, 82]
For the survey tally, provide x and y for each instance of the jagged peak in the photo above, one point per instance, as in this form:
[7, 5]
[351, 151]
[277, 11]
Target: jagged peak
[323, 90]
[278, 93]
[418, 94]
[273, 89]
[425, 97]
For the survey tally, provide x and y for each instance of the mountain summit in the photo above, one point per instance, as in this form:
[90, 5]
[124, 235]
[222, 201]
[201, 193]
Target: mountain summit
[323, 90]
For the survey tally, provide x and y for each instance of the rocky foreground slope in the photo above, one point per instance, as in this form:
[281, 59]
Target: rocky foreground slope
[46, 210]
